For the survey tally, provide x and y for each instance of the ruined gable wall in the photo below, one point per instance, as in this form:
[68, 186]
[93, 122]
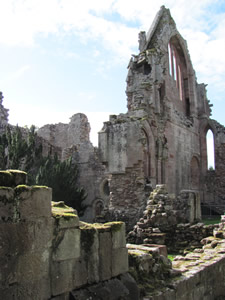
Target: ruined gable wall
[177, 104]
[73, 140]
[166, 105]
[66, 135]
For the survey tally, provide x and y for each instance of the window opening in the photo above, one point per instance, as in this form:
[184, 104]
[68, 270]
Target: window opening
[177, 67]
[210, 150]
[180, 83]
[106, 189]
[174, 66]
[99, 208]
[188, 109]
[170, 55]
[147, 69]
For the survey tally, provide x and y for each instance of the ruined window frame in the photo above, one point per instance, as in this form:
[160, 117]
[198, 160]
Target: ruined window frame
[210, 149]
[175, 69]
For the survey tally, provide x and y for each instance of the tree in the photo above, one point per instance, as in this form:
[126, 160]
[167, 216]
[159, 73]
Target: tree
[17, 148]
[21, 150]
[62, 178]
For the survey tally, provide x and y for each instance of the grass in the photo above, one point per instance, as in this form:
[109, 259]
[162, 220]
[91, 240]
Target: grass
[171, 256]
[212, 220]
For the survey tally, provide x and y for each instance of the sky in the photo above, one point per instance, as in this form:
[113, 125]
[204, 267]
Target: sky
[61, 57]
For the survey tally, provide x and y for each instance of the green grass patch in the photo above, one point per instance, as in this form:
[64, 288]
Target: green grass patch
[172, 256]
[212, 220]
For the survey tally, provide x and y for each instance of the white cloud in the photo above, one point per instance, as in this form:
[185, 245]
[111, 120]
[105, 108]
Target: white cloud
[8, 78]
[85, 96]
[17, 74]
[23, 20]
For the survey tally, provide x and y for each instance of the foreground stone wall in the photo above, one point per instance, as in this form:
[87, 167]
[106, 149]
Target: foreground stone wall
[46, 252]
[197, 275]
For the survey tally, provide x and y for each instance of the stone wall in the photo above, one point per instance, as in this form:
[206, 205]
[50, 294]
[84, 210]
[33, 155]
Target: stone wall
[197, 275]
[73, 141]
[131, 188]
[214, 179]
[46, 252]
[171, 221]
[65, 135]
[161, 132]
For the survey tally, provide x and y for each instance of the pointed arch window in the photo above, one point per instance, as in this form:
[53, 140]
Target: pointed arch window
[176, 65]
[210, 150]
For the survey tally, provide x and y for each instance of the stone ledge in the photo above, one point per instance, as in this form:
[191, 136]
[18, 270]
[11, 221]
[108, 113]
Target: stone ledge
[12, 178]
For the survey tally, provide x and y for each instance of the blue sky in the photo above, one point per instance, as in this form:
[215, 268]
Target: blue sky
[61, 57]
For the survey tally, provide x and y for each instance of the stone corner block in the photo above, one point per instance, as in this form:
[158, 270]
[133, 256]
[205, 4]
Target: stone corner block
[68, 222]
[105, 256]
[118, 235]
[67, 245]
[119, 261]
[34, 202]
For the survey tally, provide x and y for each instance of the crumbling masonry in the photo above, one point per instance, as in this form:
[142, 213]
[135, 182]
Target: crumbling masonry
[160, 140]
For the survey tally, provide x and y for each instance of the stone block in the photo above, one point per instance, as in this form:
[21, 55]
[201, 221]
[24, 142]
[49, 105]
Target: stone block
[129, 282]
[34, 202]
[66, 245]
[35, 290]
[68, 222]
[80, 273]
[33, 266]
[19, 177]
[9, 292]
[33, 276]
[119, 261]
[6, 179]
[40, 234]
[62, 276]
[118, 235]
[11, 247]
[90, 247]
[8, 207]
[65, 296]
[162, 248]
[105, 254]
[109, 290]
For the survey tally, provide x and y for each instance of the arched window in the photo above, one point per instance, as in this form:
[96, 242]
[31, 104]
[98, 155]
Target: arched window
[146, 154]
[177, 67]
[210, 150]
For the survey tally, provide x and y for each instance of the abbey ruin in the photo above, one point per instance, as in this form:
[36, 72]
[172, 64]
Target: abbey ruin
[161, 138]
[149, 171]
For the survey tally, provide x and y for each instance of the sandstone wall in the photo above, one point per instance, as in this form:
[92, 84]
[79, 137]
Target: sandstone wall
[171, 221]
[214, 179]
[161, 132]
[45, 252]
[65, 135]
[197, 275]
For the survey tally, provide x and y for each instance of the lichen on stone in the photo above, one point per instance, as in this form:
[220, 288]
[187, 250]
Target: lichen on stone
[59, 210]
[115, 226]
